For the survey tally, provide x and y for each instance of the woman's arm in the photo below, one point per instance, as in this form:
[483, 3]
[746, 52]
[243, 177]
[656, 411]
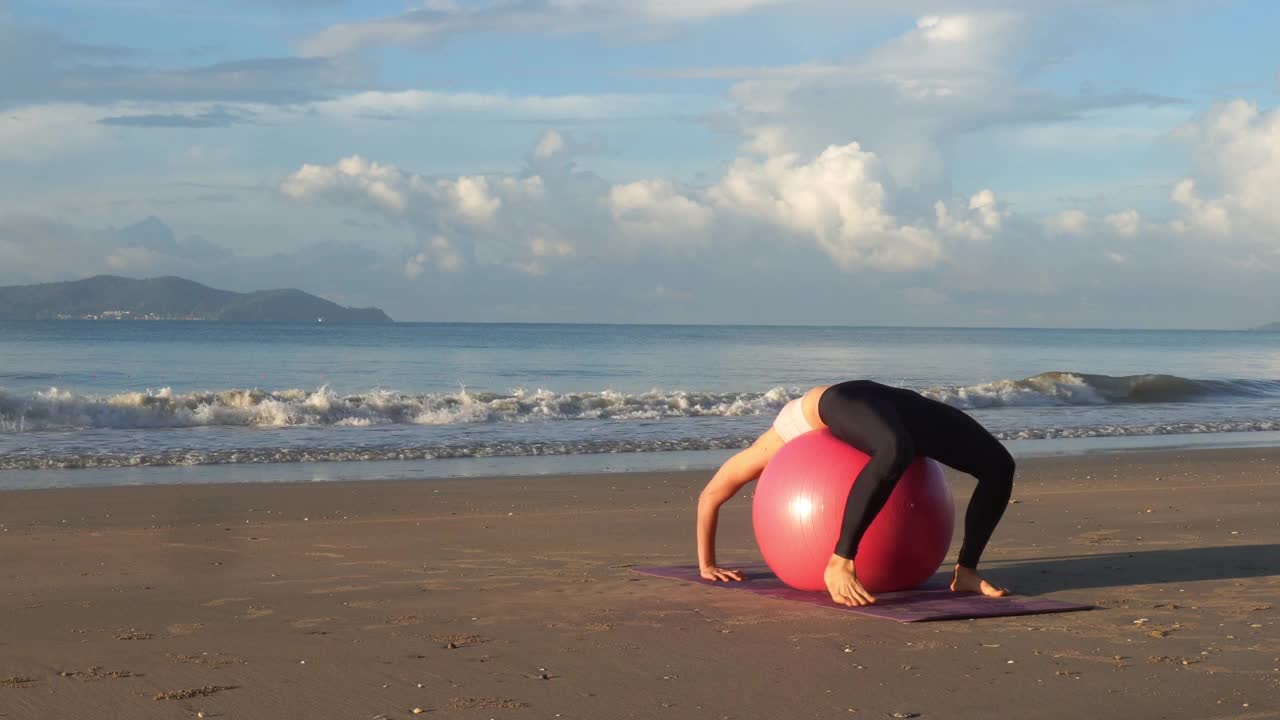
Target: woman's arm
[737, 471]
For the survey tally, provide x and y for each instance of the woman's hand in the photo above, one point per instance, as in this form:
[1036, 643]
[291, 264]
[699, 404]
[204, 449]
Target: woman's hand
[737, 471]
[842, 583]
[714, 573]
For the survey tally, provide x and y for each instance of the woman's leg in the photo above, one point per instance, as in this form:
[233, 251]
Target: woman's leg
[953, 438]
[873, 426]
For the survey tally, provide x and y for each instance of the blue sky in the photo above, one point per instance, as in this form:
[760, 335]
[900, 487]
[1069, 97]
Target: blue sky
[1042, 163]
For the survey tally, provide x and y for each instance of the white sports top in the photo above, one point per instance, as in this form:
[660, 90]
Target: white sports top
[791, 422]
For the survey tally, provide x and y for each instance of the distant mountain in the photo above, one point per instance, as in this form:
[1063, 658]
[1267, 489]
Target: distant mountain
[107, 297]
[1269, 327]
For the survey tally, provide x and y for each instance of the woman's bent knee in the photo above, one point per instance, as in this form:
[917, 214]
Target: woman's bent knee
[1007, 464]
[1001, 468]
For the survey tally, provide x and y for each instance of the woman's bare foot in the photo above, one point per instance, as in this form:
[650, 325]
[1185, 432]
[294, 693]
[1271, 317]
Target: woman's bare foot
[968, 580]
[842, 582]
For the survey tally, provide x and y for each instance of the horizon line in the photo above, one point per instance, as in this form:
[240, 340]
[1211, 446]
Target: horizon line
[682, 324]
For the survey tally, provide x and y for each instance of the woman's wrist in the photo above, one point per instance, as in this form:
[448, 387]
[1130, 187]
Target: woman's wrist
[840, 562]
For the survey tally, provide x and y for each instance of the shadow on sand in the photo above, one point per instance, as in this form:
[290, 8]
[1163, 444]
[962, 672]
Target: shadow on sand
[1146, 567]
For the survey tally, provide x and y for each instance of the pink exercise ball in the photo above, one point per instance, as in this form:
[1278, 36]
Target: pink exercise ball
[799, 506]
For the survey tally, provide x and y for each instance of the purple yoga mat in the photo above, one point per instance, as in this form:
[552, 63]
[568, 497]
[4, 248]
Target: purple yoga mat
[932, 602]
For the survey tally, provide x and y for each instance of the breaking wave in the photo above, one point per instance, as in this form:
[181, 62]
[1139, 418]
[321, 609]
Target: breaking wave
[62, 410]
[59, 409]
[1065, 388]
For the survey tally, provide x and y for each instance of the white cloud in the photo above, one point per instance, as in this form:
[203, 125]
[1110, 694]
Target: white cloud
[983, 204]
[446, 256]
[416, 265]
[542, 250]
[1068, 222]
[472, 199]
[1205, 216]
[380, 186]
[465, 200]
[899, 100]
[982, 219]
[438, 252]
[1125, 223]
[839, 199]
[550, 144]
[909, 98]
[655, 209]
[1238, 172]
[541, 247]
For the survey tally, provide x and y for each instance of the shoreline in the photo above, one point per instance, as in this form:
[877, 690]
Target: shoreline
[554, 465]
[123, 505]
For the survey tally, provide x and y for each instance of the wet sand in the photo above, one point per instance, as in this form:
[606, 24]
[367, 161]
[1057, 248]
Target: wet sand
[511, 598]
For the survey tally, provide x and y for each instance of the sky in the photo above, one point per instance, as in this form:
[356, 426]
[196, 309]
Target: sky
[819, 162]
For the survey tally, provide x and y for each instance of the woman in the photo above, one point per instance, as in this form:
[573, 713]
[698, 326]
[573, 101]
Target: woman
[892, 426]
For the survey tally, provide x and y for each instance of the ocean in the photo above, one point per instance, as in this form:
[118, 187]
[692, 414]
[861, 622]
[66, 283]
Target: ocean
[91, 403]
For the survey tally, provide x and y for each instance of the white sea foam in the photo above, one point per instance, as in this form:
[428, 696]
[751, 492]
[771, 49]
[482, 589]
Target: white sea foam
[59, 409]
[39, 460]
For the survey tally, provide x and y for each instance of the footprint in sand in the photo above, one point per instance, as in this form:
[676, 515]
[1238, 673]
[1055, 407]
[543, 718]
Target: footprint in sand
[440, 586]
[395, 622]
[206, 548]
[213, 660]
[340, 589]
[457, 640]
[329, 579]
[219, 602]
[308, 623]
[401, 582]
[97, 673]
[470, 703]
[1099, 537]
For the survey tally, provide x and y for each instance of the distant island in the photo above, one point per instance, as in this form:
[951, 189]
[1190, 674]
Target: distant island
[1269, 327]
[108, 297]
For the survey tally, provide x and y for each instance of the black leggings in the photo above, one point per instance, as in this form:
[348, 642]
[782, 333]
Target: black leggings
[894, 426]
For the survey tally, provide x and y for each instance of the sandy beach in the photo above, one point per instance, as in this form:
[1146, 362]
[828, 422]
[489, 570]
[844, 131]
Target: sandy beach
[512, 598]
